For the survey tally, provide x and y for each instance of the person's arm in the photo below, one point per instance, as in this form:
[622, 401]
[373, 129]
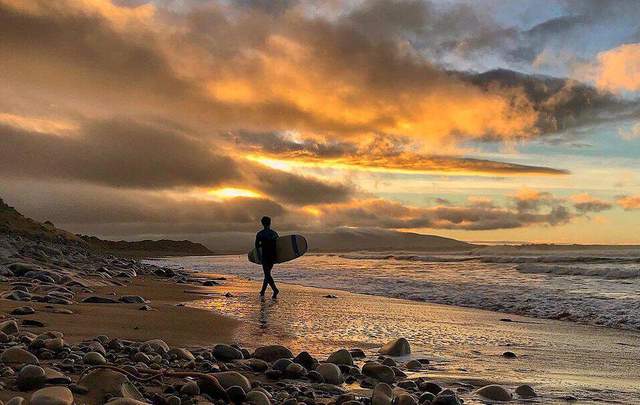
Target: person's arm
[258, 241]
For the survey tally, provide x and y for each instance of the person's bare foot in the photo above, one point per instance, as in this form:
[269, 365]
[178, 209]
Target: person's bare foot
[275, 294]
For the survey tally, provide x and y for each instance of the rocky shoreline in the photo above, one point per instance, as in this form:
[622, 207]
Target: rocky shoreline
[41, 366]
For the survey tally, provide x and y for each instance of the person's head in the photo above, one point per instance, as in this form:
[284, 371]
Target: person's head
[266, 222]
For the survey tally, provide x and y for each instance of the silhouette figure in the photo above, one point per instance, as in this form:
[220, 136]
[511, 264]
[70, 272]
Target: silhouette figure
[266, 240]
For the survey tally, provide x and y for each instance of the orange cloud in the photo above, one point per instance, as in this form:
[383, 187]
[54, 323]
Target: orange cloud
[629, 202]
[617, 69]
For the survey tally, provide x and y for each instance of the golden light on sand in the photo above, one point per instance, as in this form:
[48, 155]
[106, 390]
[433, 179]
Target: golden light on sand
[231, 192]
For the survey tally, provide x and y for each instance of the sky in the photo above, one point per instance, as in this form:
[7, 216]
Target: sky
[480, 120]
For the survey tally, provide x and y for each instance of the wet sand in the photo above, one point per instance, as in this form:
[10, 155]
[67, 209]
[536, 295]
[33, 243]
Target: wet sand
[594, 364]
[177, 325]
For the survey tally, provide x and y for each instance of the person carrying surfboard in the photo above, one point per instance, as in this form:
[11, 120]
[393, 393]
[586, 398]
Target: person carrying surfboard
[266, 243]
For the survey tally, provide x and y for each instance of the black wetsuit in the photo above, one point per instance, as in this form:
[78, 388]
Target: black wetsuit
[266, 240]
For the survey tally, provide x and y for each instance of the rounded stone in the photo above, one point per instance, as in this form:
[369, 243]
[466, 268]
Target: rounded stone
[52, 396]
[379, 372]
[342, 356]
[31, 377]
[230, 378]
[398, 347]
[272, 353]
[18, 356]
[258, 398]
[382, 395]
[94, 359]
[227, 353]
[330, 373]
[281, 364]
[494, 393]
[295, 370]
[237, 395]
[190, 388]
[9, 327]
[526, 391]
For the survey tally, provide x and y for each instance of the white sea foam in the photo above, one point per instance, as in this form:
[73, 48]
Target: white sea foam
[594, 271]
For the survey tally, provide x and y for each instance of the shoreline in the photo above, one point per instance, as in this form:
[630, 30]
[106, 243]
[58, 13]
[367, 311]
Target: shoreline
[79, 324]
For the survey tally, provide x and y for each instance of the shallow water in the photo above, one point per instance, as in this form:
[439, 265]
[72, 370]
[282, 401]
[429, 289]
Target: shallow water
[593, 363]
[601, 288]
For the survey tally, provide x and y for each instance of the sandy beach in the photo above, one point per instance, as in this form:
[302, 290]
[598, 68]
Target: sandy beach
[83, 327]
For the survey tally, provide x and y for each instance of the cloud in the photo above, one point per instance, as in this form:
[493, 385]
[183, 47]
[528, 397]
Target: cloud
[585, 203]
[528, 208]
[377, 153]
[633, 132]
[629, 202]
[614, 70]
[126, 153]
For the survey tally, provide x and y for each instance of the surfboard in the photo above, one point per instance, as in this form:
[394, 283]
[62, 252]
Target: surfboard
[288, 247]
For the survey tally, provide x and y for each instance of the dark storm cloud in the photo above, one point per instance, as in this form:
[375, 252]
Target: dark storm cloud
[130, 154]
[88, 209]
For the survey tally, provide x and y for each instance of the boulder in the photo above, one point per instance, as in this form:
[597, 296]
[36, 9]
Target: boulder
[102, 384]
[494, 393]
[230, 378]
[379, 371]
[52, 396]
[342, 356]
[272, 353]
[446, 397]
[414, 365]
[330, 373]
[237, 395]
[398, 347]
[15, 356]
[382, 395]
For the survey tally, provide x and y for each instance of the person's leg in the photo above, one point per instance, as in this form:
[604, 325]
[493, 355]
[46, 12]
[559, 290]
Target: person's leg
[266, 268]
[270, 280]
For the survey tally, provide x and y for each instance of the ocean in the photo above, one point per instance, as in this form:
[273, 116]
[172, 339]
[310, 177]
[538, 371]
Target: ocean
[591, 287]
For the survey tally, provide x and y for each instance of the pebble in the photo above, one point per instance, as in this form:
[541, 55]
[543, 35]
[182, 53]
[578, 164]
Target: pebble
[509, 355]
[398, 347]
[230, 378]
[190, 388]
[16, 401]
[52, 396]
[494, 392]
[405, 399]
[272, 353]
[18, 356]
[379, 372]
[94, 299]
[227, 353]
[281, 364]
[430, 386]
[236, 394]
[94, 359]
[9, 327]
[182, 354]
[155, 346]
[31, 377]
[330, 373]
[306, 360]
[23, 311]
[295, 370]
[414, 365]
[258, 398]
[526, 391]
[342, 356]
[382, 395]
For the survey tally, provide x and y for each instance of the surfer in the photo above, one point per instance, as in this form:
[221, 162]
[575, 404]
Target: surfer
[266, 240]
